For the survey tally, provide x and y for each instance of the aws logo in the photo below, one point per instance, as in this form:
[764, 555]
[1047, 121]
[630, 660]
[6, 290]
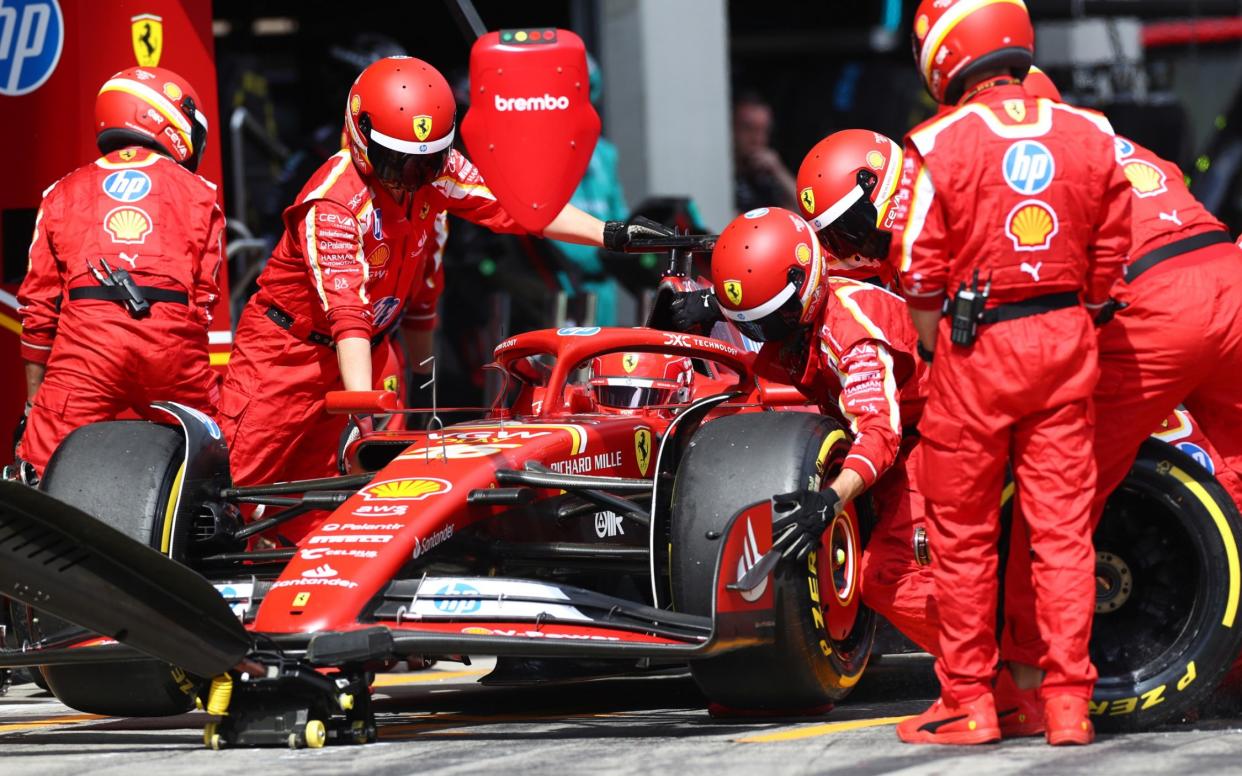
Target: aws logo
[406, 489]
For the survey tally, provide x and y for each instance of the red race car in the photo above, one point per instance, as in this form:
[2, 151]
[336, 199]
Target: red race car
[569, 523]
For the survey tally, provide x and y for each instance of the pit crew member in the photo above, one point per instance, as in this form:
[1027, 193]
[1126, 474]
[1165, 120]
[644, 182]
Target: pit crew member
[1012, 214]
[117, 297]
[1176, 337]
[845, 189]
[360, 250]
[849, 347]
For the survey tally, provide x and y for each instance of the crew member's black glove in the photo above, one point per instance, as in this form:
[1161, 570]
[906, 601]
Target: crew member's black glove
[20, 431]
[355, 428]
[694, 311]
[1106, 313]
[618, 234]
[800, 518]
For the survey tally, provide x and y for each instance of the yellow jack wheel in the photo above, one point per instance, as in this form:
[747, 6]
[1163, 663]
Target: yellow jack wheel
[211, 736]
[359, 731]
[316, 734]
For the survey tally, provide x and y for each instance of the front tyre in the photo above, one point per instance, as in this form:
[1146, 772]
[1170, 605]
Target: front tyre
[126, 474]
[823, 633]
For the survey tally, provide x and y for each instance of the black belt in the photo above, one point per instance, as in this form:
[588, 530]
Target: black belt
[285, 321]
[117, 294]
[1027, 307]
[1175, 248]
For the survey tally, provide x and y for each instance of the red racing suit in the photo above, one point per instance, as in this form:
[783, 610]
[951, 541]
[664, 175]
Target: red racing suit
[860, 367]
[1177, 340]
[141, 212]
[352, 263]
[1027, 193]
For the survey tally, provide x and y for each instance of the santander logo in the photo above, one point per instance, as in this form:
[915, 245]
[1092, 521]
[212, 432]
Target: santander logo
[546, 102]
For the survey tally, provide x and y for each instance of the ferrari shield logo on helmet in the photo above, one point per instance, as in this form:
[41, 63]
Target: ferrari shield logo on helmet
[422, 127]
[733, 290]
[147, 32]
[642, 449]
[629, 362]
[807, 198]
[1016, 109]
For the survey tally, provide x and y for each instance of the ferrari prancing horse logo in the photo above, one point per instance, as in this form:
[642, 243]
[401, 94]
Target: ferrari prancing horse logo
[808, 200]
[642, 450]
[629, 362]
[422, 127]
[147, 32]
[733, 290]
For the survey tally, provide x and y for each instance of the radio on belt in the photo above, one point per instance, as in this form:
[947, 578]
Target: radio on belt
[133, 299]
[967, 310]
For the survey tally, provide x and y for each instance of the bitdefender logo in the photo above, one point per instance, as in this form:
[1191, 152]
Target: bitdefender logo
[546, 102]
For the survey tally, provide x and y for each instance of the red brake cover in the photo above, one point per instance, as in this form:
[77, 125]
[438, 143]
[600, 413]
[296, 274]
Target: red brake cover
[531, 128]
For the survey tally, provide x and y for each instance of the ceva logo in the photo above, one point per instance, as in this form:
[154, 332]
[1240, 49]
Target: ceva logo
[546, 102]
[32, 34]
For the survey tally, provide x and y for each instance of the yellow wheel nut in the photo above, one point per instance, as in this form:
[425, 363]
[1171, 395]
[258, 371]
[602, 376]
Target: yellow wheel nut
[316, 734]
[346, 701]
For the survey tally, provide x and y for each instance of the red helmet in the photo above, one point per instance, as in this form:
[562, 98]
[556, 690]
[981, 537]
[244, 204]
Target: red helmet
[845, 185]
[631, 381]
[400, 117]
[768, 271]
[1038, 84]
[955, 39]
[151, 107]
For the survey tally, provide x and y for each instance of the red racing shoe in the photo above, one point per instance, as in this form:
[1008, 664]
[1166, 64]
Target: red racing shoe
[1067, 722]
[970, 723]
[1020, 712]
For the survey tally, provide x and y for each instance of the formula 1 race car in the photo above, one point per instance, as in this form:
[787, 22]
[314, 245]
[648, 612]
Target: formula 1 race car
[565, 537]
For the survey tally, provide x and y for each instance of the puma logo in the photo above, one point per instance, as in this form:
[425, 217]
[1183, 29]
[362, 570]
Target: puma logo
[1171, 217]
[1033, 271]
[130, 259]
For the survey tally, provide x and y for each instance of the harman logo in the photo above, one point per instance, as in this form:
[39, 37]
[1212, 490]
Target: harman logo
[546, 102]
[321, 572]
[406, 490]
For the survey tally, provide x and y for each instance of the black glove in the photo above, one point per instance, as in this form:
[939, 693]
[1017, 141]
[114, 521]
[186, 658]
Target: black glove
[800, 518]
[355, 428]
[1110, 308]
[20, 431]
[694, 311]
[618, 234]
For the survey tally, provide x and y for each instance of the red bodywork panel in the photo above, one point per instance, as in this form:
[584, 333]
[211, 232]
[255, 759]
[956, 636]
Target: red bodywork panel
[530, 128]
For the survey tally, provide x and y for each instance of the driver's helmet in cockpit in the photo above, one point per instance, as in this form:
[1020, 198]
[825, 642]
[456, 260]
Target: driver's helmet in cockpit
[629, 382]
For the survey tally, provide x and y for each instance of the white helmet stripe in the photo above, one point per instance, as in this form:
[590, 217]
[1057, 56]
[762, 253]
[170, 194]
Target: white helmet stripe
[763, 310]
[407, 147]
[837, 208]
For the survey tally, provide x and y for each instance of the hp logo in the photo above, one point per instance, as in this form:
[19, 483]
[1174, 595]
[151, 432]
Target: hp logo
[458, 606]
[32, 34]
[127, 185]
[1028, 167]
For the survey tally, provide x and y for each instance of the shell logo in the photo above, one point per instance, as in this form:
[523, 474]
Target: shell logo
[921, 26]
[875, 159]
[733, 290]
[129, 225]
[1031, 225]
[379, 256]
[803, 254]
[172, 90]
[355, 104]
[1147, 180]
[414, 489]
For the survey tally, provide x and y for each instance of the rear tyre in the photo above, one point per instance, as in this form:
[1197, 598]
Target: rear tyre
[126, 474]
[823, 633]
[1168, 585]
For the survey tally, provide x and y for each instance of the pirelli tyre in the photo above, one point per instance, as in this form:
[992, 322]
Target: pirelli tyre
[823, 632]
[126, 474]
[1168, 584]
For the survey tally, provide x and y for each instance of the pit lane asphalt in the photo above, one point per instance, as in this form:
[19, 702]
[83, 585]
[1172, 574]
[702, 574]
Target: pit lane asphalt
[441, 722]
